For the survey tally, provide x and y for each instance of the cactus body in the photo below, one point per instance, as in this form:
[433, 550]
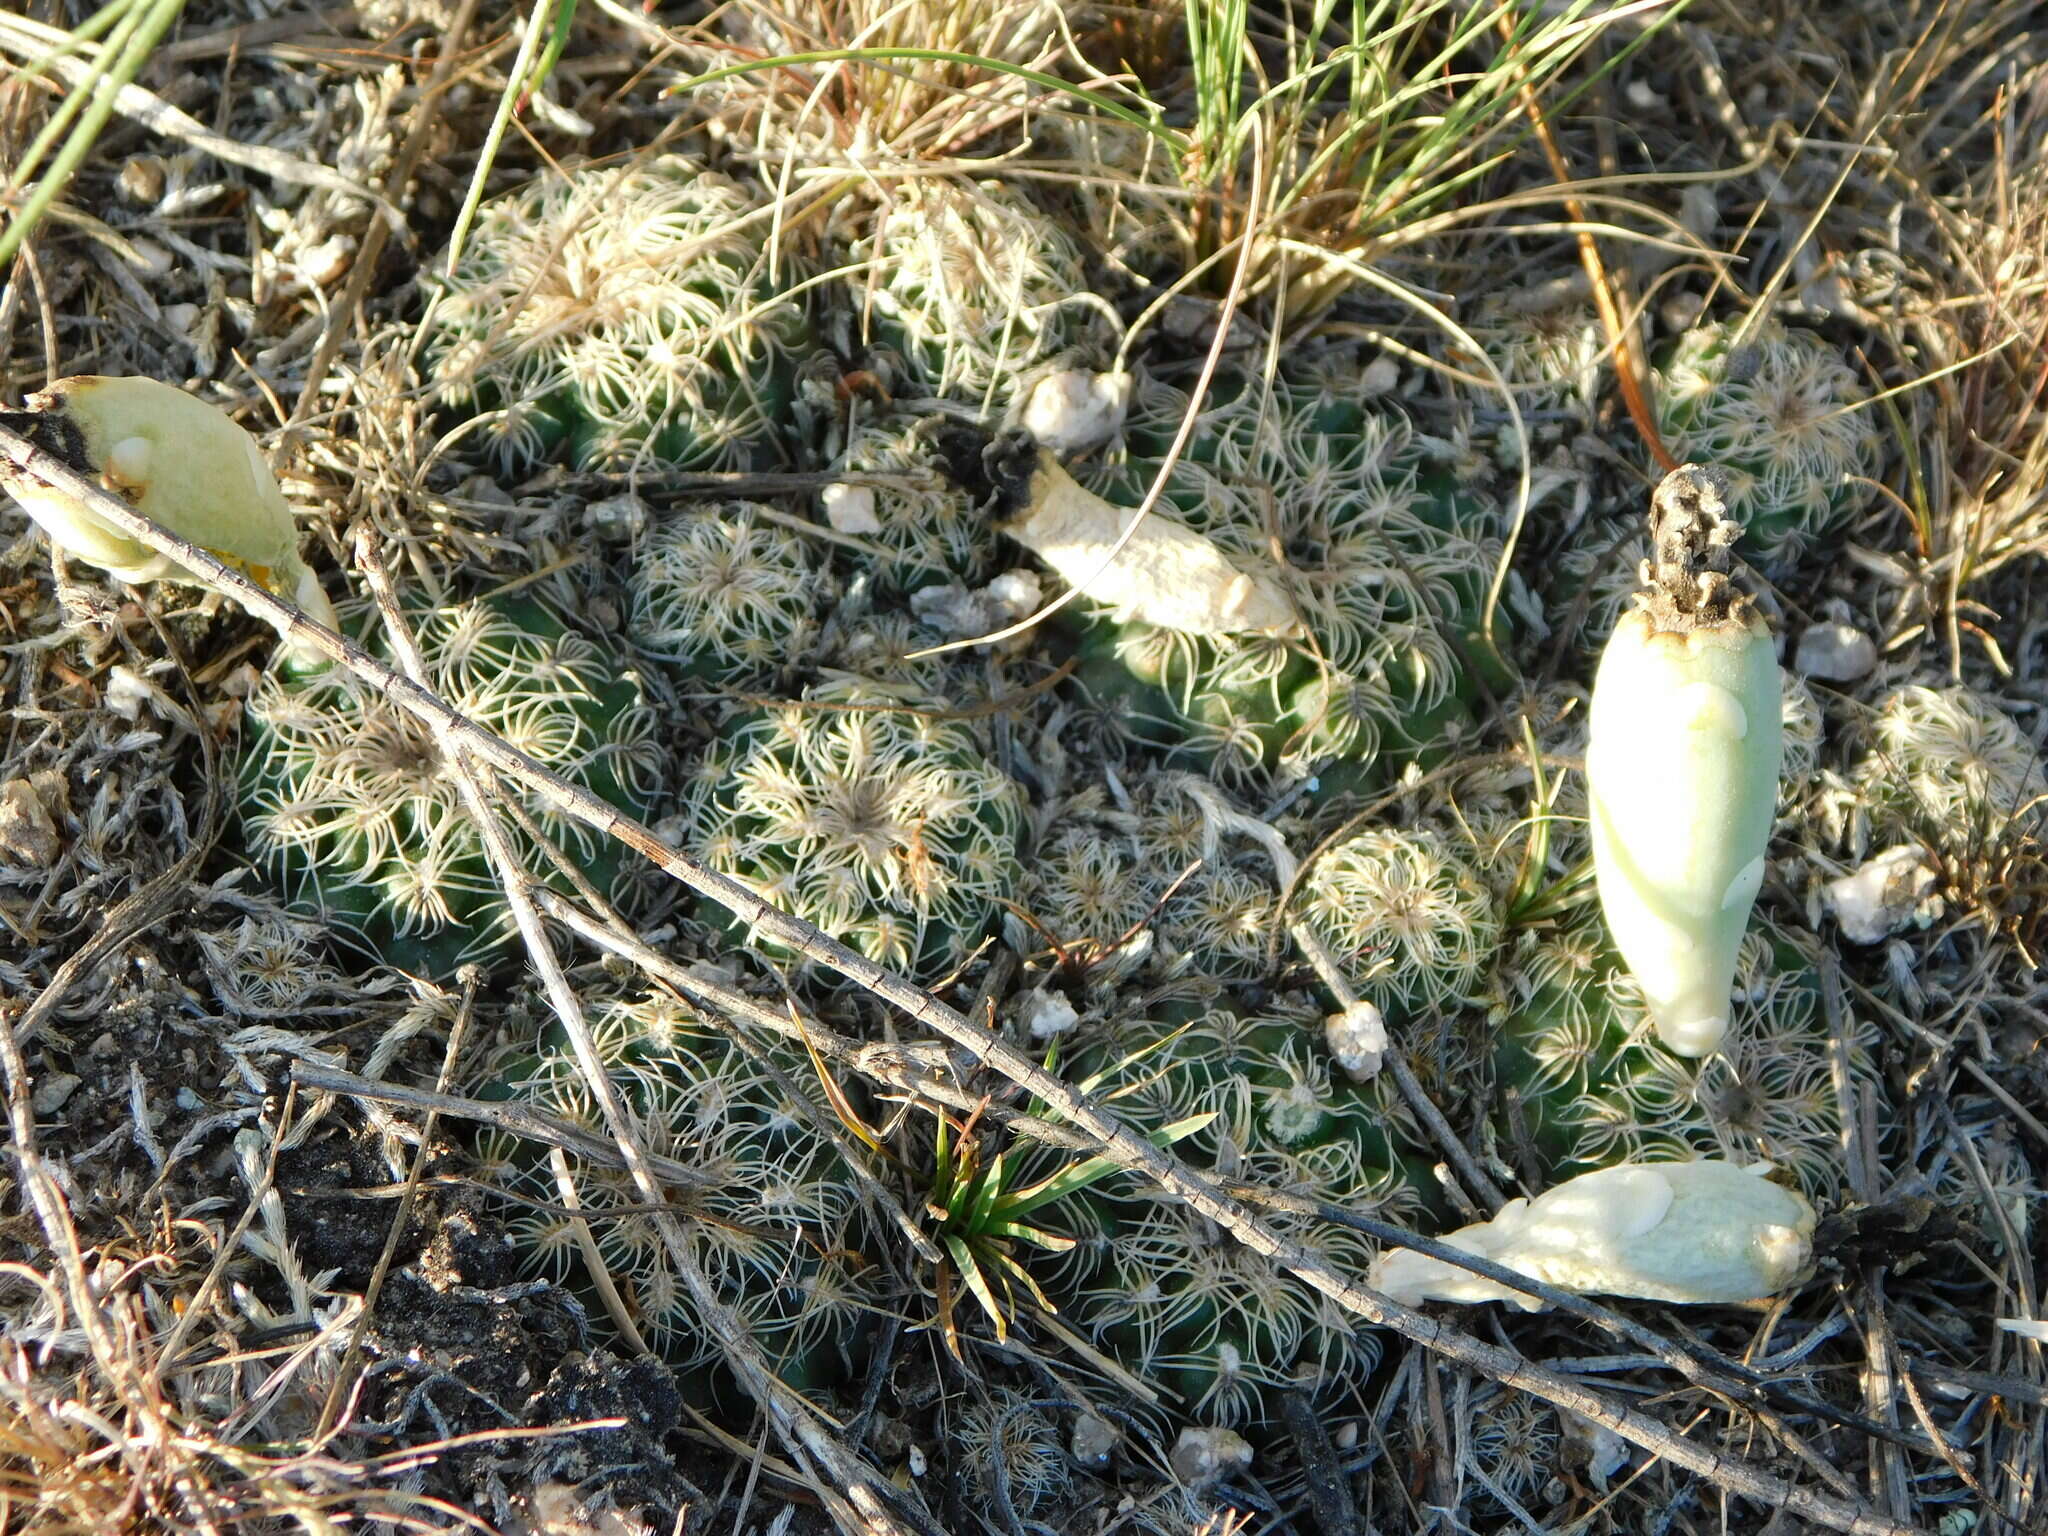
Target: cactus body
[349, 805]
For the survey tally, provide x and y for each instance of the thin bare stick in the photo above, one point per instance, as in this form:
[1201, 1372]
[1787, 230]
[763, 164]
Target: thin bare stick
[861, 1501]
[1131, 1150]
[521, 1120]
[1412, 1092]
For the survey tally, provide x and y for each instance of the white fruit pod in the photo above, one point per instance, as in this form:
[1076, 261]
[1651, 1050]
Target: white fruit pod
[1158, 572]
[175, 459]
[1699, 1233]
[1682, 765]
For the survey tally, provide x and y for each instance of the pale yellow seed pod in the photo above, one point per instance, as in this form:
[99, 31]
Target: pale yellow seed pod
[177, 460]
[1682, 760]
[1692, 1233]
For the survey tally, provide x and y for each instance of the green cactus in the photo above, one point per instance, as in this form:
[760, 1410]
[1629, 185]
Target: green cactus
[1546, 339]
[867, 812]
[1006, 1440]
[1781, 416]
[1163, 1291]
[1406, 916]
[617, 315]
[1942, 765]
[1100, 872]
[1385, 562]
[724, 595]
[926, 528]
[971, 286]
[772, 1212]
[1585, 1082]
[349, 806]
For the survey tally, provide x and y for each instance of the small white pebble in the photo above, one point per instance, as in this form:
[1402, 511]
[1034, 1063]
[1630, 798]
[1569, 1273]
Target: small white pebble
[851, 508]
[323, 265]
[1835, 653]
[1381, 375]
[142, 179]
[151, 259]
[1074, 410]
[1046, 1015]
[1093, 1440]
[1016, 593]
[28, 836]
[1204, 1456]
[618, 518]
[1885, 895]
[915, 1460]
[127, 691]
[1358, 1039]
[52, 1090]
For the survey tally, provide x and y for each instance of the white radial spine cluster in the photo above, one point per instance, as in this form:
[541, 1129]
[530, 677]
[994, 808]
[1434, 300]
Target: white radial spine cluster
[627, 310]
[868, 814]
[724, 591]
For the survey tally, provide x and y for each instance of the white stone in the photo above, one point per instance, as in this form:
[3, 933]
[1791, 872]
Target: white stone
[323, 265]
[1204, 1456]
[620, 517]
[126, 692]
[1358, 1039]
[1891, 891]
[1074, 410]
[1017, 593]
[1834, 653]
[28, 836]
[1046, 1015]
[52, 1091]
[850, 508]
[1093, 1440]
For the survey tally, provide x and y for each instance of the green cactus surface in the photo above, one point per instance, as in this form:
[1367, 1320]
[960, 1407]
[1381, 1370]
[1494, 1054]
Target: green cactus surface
[773, 1216]
[1779, 413]
[724, 595]
[867, 812]
[970, 286]
[349, 806]
[1385, 560]
[1161, 1289]
[614, 316]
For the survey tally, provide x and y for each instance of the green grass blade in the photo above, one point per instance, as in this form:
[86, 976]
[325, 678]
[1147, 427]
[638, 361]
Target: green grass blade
[91, 102]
